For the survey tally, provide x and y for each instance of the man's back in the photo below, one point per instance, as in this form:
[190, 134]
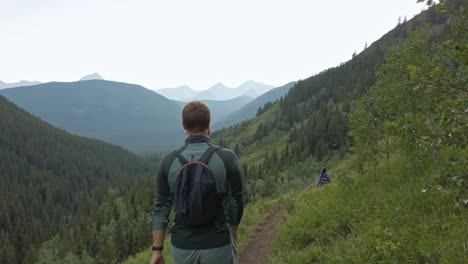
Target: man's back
[224, 165]
[324, 178]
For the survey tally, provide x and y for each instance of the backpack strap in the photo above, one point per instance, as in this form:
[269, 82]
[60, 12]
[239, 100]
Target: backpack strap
[208, 153]
[178, 154]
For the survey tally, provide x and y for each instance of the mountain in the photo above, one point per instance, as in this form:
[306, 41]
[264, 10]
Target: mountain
[220, 109]
[181, 93]
[4, 85]
[254, 89]
[93, 76]
[124, 114]
[311, 123]
[219, 91]
[49, 177]
[250, 110]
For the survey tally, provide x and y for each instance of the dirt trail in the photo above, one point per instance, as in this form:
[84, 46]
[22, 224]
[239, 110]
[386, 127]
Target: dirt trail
[258, 249]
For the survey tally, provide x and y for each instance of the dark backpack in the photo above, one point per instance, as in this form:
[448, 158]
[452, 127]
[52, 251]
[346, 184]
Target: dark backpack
[196, 197]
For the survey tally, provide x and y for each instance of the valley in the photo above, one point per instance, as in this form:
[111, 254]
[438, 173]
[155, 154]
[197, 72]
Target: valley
[78, 160]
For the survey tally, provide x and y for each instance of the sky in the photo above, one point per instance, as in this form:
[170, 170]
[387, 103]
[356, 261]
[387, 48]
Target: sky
[168, 43]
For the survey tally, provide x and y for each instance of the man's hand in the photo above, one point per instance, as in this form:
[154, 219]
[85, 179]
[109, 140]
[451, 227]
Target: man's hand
[157, 258]
[158, 240]
[234, 232]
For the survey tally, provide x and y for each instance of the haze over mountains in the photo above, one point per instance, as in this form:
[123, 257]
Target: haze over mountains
[249, 110]
[125, 114]
[219, 91]
[4, 85]
[182, 93]
[221, 108]
[93, 76]
[128, 115]
[133, 116]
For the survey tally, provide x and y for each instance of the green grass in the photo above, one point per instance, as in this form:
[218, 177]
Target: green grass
[386, 218]
[254, 214]
[245, 135]
[278, 142]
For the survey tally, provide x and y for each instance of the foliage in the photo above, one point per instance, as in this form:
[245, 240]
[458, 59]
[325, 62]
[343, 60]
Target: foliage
[361, 220]
[418, 106]
[51, 179]
[311, 121]
[110, 233]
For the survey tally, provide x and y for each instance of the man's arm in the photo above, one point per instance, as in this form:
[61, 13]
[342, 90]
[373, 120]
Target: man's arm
[235, 195]
[162, 204]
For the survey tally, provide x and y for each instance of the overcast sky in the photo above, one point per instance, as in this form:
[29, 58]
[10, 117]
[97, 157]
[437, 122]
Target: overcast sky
[167, 43]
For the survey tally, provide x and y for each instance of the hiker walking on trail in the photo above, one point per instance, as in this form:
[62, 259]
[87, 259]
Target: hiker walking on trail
[203, 182]
[324, 178]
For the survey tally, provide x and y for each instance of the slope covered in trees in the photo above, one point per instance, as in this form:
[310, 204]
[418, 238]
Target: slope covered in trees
[310, 123]
[249, 110]
[50, 179]
[402, 197]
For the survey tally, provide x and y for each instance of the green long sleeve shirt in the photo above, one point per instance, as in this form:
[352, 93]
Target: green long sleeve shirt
[225, 167]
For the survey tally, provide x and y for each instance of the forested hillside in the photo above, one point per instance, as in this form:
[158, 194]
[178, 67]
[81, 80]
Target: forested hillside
[403, 195]
[249, 110]
[310, 123]
[50, 179]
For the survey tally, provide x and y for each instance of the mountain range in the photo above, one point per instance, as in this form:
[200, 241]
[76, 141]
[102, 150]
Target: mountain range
[129, 115]
[249, 110]
[221, 108]
[125, 114]
[4, 85]
[182, 93]
[219, 91]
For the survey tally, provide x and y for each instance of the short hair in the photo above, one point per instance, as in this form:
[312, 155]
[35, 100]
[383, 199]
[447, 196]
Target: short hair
[196, 116]
[324, 170]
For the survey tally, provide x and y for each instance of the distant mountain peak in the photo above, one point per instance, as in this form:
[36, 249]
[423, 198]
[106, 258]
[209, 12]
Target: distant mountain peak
[218, 85]
[4, 85]
[93, 76]
[186, 87]
[180, 93]
[250, 82]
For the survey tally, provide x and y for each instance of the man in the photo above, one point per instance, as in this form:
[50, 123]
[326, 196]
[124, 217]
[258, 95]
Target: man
[324, 178]
[212, 243]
